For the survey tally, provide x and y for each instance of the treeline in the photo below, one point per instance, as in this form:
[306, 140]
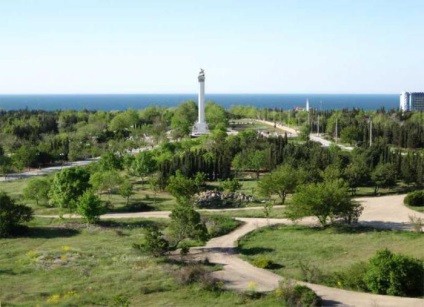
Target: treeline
[38, 138]
[403, 130]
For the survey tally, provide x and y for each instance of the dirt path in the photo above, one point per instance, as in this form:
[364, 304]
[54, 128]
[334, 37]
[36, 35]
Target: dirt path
[387, 211]
[239, 275]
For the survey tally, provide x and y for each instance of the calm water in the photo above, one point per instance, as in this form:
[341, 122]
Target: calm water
[139, 101]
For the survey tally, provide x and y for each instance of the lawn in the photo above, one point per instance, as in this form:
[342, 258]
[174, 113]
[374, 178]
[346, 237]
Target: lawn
[328, 249]
[259, 213]
[65, 263]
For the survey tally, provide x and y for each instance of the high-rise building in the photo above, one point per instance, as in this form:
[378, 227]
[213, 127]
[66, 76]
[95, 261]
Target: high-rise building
[412, 101]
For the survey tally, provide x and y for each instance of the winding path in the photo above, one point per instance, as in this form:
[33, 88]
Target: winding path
[387, 211]
[383, 212]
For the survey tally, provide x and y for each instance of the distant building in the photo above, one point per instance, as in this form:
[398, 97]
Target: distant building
[412, 101]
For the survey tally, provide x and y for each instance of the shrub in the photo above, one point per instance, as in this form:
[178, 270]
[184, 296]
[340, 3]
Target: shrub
[190, 274]
[11, 215]
[90, 206]
[263, 262]
[154, 243]
[416, 222]
[297, 295]
[415, 199]
[395, 274]
[311, 273]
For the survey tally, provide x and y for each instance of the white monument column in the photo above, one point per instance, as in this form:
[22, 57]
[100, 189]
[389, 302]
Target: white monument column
[201, 98]
[201, 127]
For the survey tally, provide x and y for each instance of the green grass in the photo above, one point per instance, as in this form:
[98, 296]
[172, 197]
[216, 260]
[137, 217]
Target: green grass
[415, 208]
[65, 263]
[328, 249]
[275, 213]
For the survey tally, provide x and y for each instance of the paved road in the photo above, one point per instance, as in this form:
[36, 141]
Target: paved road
[313, 137]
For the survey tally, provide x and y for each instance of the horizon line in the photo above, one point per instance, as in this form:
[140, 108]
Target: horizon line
[195, 93]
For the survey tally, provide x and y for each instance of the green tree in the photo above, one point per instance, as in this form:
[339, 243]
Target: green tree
[37, 189]
[144, 164]
[154, 184]
[90, 207]
[110, 161]
[351, 134]
[11, 215]
[281, 181]
[216, 116]
[356, 174]
[231, 185]
[154, 243]
[67, 186]
[383, 176]
[395, 274]
[181, 187]
[5, 165]
[328, 200]
[25, 156]
[184, 117]
[186, 223]
[257, 161]
[126, 190]
[107, 181]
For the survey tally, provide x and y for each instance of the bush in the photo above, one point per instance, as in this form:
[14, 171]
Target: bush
[297, 295]
[395, 274]
[154, 243]
[190, 274]
[263, 262]
[415, 199]
[90, 206]
[11, 215]
[311, 273]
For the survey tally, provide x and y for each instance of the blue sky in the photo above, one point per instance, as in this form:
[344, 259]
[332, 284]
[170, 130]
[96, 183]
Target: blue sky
[309, 46]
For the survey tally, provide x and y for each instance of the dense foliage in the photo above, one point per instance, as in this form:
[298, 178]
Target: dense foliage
[12, 215]
[415, 198]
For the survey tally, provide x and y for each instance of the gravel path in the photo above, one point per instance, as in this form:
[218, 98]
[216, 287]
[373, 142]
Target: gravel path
[387, 211]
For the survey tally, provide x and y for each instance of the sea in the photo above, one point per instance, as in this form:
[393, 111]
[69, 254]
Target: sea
[109, 102]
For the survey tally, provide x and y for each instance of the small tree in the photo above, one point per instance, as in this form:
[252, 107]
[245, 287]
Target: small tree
[126, 190]
[181, 187]
[281, 182]
[231, 185]
[154, 243]
[5, 165]
[37, 189]
[90, 207]
[67, 186]
[186, 223]
[107, 181]
[383, 176]
[144, 164]
[326, 200]
[154, 183]
[11, 215]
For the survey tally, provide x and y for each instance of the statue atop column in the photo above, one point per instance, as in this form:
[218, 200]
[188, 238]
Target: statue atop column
[201, 75]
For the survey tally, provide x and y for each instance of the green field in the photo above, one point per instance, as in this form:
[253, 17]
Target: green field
[329, 250]
[65, 263]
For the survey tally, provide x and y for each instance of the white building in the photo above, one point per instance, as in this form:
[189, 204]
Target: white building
[412, 101]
